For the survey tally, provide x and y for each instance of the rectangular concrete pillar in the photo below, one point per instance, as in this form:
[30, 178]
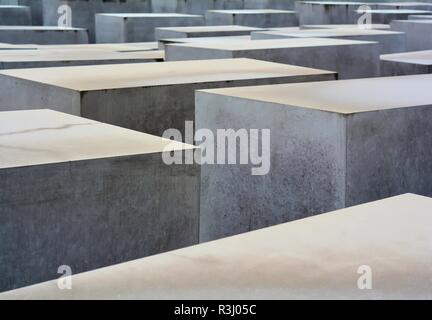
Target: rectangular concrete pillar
[350, 58]
[203, 40]
[19, 59]
[404, 5]
[420, 17]
[399, 64]
[259, 18]
[11, 15]
[386, 16]
[139, 27]
[390, 41]
[83, 194]
[314, 258]
[333, 144]
[417, 33]
[195, 6]
[150, 98]
[43, 35]
[203, 31]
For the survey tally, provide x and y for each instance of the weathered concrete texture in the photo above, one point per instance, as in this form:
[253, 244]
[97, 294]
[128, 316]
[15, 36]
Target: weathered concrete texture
[119, 47]
[315, 258]
[420, 17]
[139, 27]
[85, 194]
[333, 144]
[224, 39]
[344, 26]
[404, 5]
[42, 35]
[83, 11]
[146, 97]
[8, 46]
[195, 6]
[269, 4]
[18, 59]
[35, 8]
[15, 15]
[203, 31]
[418, 33]
[328, 12]
[407, 63]
[390, 41]
[386, 16]
[260, 18]
[350, 58]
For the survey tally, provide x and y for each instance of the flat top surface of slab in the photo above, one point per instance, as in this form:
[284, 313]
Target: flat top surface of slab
[342, 26]
[148, 15]
[221, 39]
[251, 11]
[414, 21]
[425, 16]
[84, 78]
[39, 28]
[344, 3]
[314, 258]
[74, 55]
[273, 44]
[343, 96]
[210, 28]
[415, 57]
[35, 137]
[404, 4]
[133, 46]
[394, 11]
[332, 32]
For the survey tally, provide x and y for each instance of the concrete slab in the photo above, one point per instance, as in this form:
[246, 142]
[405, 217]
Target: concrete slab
[344, 26]
[15, 15]
[386, 16]
[42, 35]
[195, 6]
[35, 9]
[333, 144]
[203, 31]
[8, 46]
[139, 27]
[260, 18]
[84, 194]
[119, 47]
[323, 262]
[350, 58]
[390, 41]
[203, 40]
[404, 5]
[415, 62]
[420, 17]
[83, 11]
[18, 59]
[417, 33]
[146, 97]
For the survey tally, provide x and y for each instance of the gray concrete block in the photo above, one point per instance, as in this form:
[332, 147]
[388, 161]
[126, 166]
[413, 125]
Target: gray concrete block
[36, 10]
[385, 16]
[316, 258]
[390, 41]
[404, 5]
[19, 59]
[118, 47]
[420, 17]
[350, 58]
[149, 98]
[83, 11]
[269, 4]
[203, 31]
[85, 194]
[334, 144]
[195, 6]
[42, 35]
[139, 27]
[260, 18]
[399, 64]
[344, 26]
[203, 40]
[15, 15]
[417, 33]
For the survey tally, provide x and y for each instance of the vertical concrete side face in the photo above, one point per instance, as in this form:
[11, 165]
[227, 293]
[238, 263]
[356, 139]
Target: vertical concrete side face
[36, 10]
[326, 13]
[218, 19]
[387, 154]
[110, 29]
[307, 166]
[44, 36]
[18, 94]
[180, 53]
[15, 16]
[91, 214]
[195, 6]
[397, 68]
[417, 34]
[269, 4]
[265, 20]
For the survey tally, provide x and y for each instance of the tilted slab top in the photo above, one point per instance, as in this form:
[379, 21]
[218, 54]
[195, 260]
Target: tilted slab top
[343, 26]
[416, 57]
[202, 29]
[336, 32]
[314, 258]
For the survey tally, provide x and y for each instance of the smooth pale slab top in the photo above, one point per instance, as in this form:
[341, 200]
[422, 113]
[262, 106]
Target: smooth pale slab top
[415, 57]
[343, 26]
[322, 257]
[148, 15]
[35, 137]
[120, 47]
[101, 77]
[337, 32]
[40, 28]
[200, 29]
[8, 46]
[75, 55]
[251, 11]
[414, 21]
[222, 39]
[11, 6]
[404, 4]
[393, 11]
[342, 96]
[338, 3]
[420, 16]
[272, 44]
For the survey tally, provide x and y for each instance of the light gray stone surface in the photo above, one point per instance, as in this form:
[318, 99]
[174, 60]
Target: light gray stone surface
[404, 5]
[415, 62]
[418, 33]
[139, 27]
[42, 35]
[390, 41]
[420, 17]
[19, 59]
[85, 194]
[344, 26]
[350, 58]
[203, 31]
[334, 144]
[385, 16]
[35, 8]
[203, 40]
[15, 15]
[146, 97]
[260, 18]
[315, 258]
